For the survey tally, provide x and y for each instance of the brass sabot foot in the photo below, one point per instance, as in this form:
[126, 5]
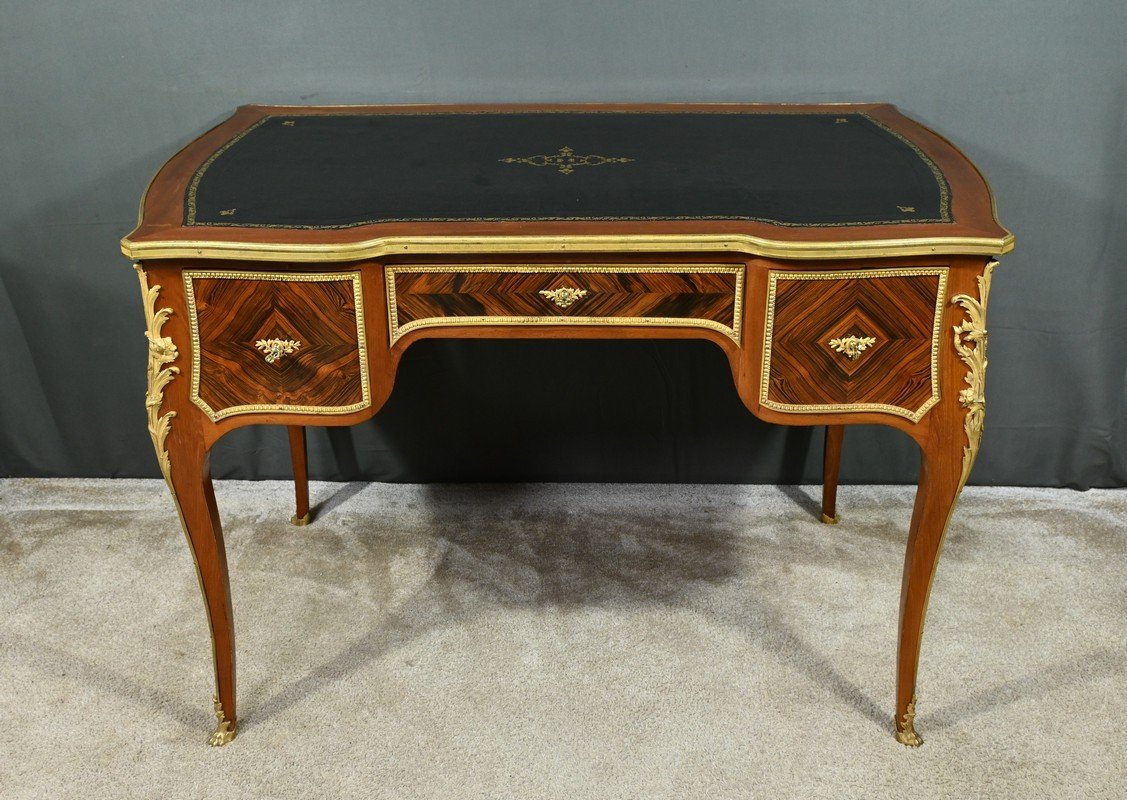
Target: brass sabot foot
[834, 520]
[303, 520]
[906, 730]
[224, 729]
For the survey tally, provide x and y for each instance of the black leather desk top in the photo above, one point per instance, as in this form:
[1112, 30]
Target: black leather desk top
[805, 169]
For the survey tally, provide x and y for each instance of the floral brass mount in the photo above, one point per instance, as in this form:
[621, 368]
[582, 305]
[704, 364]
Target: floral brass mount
[972, 331]
[565, 160]
[563, 297]
[274, 349]
[162, 352]
[852, 346]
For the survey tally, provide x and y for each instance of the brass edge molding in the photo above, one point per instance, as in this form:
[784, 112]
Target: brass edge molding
[972, 331]
[397, 331]
[623, 243]
[162, 352]
[768, 330]
[194, 331]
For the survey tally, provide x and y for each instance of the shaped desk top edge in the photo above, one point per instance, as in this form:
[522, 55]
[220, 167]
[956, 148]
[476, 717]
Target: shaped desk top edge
[162, 231]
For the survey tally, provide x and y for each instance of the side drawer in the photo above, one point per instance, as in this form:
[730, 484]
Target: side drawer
[268, 342]
[693, 295]
[861, 340]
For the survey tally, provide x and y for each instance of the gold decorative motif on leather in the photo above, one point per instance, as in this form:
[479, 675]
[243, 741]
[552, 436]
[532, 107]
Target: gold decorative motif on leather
[906, 733]
[852, 346]
[224, 728]
[563, 297]
[162, 352]
[970, 338]
[275, 349]
[566, 160]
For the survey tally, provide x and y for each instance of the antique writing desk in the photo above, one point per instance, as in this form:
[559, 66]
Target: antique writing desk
[839, 255]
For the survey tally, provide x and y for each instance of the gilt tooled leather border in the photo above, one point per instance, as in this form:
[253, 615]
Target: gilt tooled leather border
[940, 179]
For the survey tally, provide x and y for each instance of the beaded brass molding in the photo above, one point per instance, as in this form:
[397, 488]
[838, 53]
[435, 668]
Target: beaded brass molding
[224, 728]
[397, 331]
[851, 346]
[162, 352]
[769, 326]
[906, 733]
[265, 408]
[972, 331]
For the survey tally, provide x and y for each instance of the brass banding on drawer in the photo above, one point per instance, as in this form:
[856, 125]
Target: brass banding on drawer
[268, 342]
[857, 340]
[708, 296]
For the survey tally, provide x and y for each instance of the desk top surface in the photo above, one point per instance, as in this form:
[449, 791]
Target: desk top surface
[336, 183]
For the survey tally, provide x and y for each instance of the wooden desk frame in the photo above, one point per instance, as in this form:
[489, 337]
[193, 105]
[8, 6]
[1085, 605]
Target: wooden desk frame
[947, 428]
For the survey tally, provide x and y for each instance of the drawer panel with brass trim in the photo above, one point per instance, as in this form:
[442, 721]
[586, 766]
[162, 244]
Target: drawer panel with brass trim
[676, 295]
[862, 340]
[272, 342]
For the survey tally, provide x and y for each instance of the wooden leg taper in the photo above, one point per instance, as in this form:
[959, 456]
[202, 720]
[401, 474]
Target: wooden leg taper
[949, 452]
[831, 464]
[300, 474]
[192, 491]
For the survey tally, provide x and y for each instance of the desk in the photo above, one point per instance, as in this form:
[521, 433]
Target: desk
[839, 255]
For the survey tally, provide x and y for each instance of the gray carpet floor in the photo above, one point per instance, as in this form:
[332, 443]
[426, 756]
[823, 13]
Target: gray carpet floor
[560, 641]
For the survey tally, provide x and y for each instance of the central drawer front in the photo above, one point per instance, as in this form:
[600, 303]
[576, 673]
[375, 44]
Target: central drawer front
[676, 295]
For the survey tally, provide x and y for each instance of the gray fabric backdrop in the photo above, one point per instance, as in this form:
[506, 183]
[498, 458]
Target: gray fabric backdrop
[95, 96]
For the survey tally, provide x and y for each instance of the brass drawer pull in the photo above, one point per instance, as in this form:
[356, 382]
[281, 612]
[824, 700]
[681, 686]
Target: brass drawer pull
[852, 346]
[563, 297]
[274, 349]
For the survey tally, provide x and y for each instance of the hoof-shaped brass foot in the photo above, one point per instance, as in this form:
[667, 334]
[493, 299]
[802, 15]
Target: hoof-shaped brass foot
[296, 520]
[834, 520]
[224, 729]
[906, 731]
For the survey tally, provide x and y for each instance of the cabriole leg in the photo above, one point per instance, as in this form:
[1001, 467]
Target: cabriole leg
[300, 474]
[948, 456]
[195, 499]
[831, 463]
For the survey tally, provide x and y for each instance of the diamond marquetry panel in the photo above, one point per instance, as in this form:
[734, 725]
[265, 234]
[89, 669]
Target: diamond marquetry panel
[706, 296]
[230, 313]
[897, 373]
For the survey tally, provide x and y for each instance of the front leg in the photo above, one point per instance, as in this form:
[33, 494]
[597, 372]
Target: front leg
[183, 460]
[195, 499]
[948, 455]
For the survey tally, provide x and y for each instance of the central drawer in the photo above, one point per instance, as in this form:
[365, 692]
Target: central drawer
[706, 296]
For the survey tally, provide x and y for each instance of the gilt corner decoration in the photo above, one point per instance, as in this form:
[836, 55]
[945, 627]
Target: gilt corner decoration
[972, 331]
[162, 352]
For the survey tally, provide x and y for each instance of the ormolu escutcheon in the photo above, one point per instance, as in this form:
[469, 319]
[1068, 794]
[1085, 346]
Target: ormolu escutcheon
[563, 297]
